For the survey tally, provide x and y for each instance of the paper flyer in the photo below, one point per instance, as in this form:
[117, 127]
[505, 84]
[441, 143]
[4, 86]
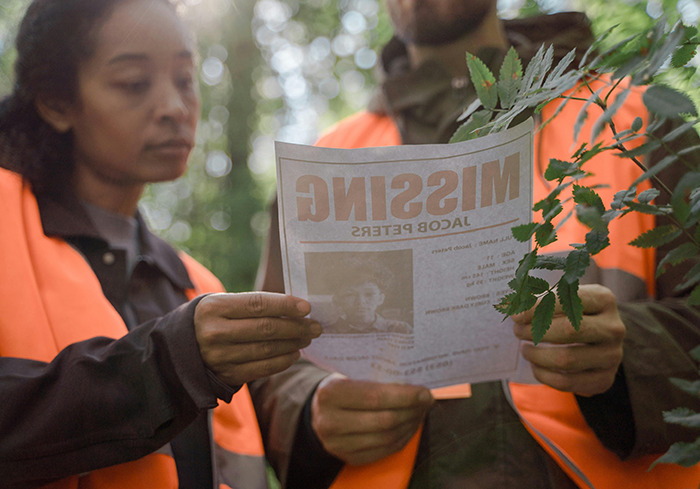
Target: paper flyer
[402, 252]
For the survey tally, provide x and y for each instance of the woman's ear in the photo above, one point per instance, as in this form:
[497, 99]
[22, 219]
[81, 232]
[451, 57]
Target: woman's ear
[54, 113]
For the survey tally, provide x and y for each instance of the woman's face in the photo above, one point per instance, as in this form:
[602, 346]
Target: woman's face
[136, 113]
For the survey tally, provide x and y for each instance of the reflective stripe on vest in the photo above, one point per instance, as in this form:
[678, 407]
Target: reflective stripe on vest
[551, 416]
[44, 282]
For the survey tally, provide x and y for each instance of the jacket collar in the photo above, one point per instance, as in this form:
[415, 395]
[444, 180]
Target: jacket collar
[65, 217]
[425, 102]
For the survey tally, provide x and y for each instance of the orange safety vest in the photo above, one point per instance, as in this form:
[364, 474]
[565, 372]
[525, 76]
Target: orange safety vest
[50, 298]
[551, 416]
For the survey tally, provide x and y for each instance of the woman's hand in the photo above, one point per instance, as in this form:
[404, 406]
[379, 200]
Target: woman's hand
[245, 336]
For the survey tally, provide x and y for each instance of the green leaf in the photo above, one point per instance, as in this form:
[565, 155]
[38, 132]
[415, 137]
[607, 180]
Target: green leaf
[597, 240]
[683, 55]
[608, 114]
[537, 285]
[545, 234]
[510, 79]
[570, 302]
[622, 198]
[690, 279]
[668, 102]
[559, 169]
[588, 197]
[483, 80]
[694, 296]
[648, 195]
[695, 353]
[550, 262]
[691, 387]
[576, 264]
[677, 255]
[583, 113]
[683, 416]
[656, 237]
[642, 149]
[637, 124]
[681, 453]
[536, 69]
[473, 127]
[542, 317]
[524, 232]
[550, 207]
[654, 210]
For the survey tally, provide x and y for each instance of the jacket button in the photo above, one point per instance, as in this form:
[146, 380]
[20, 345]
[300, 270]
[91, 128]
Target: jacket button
[108, 258]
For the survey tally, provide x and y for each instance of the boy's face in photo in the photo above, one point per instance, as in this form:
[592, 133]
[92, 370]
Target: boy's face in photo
[359, 302]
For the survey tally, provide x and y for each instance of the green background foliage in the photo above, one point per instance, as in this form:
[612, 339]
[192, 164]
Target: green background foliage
[286, 70]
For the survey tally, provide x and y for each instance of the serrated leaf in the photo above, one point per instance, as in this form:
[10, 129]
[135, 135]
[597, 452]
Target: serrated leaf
[683, 416]
[668, 102]
[570, 302]
[642, 149]
[587, 196]
[559, 169]
[597, 240]
[524, 232]
[683, 55]
[545, 234]
[542, 317]
[690, 279]
[656, 237]
[483, 80]
[677, 255]
[623, 197]
[576, 264]
[471, 108]
[653, 210]
[510, 79]
[550, 262]
[558, 79]
[680, 453]
[539, 64]
[691, 387]
[538, 286]
[648, 195]
[472, 128]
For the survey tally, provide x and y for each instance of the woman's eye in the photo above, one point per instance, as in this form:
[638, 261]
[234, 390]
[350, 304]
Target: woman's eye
[185, 82]
[134, 87]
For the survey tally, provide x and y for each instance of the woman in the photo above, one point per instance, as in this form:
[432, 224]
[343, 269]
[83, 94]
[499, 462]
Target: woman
[109, 355]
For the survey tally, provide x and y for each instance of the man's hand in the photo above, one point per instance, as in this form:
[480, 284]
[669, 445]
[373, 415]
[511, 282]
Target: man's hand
[243, 337]
[583, 362]
[361, 422]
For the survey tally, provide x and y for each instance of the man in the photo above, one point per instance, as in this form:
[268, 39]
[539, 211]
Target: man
[359, 296]
[610, 379]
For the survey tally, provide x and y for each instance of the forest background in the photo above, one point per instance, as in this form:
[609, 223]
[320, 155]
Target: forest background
[286, 70]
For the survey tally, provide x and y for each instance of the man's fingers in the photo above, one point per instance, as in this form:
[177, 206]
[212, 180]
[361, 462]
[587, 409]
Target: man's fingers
[586, 383]
[371, 396]
[573, 358]
[595, 298]
[360, 449]
[255, 304]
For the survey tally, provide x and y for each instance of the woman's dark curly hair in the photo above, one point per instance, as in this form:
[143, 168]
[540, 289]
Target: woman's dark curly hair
[54, 38]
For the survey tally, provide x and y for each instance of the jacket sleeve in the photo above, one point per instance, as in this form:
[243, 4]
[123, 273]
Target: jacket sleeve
[281, 402]
[101, 401]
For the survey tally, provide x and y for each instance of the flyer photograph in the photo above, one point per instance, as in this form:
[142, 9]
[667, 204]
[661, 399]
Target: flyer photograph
[402, 252]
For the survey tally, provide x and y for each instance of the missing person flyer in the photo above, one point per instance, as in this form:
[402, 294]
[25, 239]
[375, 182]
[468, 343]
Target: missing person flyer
[403, 251]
